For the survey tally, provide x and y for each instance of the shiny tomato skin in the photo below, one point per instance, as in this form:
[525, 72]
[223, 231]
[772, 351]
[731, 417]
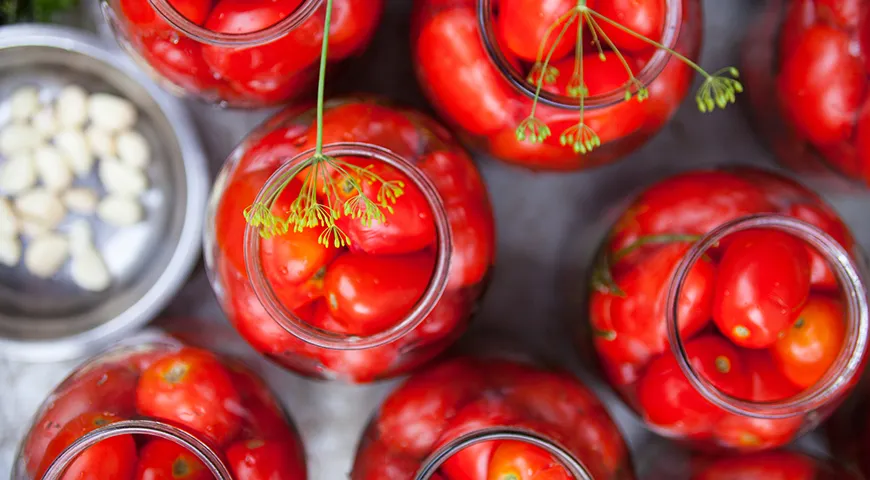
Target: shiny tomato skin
[513, 460]
[455, 70]
[353, 24]
[631, 326]
[262, 415]
[230, 222]
[811, 345]
[763, 282]
[369, 294]
[821, 86]
[645, 17]
[191, 388]
[844, 13]
[455, 177]
[523, 24]
[667, 399]
[180, 61]
[474, 244]
[821, 275]
[146, 20]
[800, 15]
[265, 460]
[111, 459]
[166, 460]
[780, 465]
[377, 461]
[279, 145]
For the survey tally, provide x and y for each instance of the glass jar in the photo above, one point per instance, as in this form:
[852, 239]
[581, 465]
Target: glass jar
[401, 292]
[236, 53]
[477, 79]
[777, 464]
[728, 309]
[154, 407]
[473, 419]
[805, 66]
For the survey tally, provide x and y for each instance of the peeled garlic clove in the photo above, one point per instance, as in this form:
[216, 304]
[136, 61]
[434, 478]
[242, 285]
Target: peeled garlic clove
[8, 219]
[75, 148]
[88, 270]
[120, 210]
[81, 236]
[121, 178]
[45, 122]
[17, 174]
[24, 103]
[41, 206]
[32, 228]
[10, 250]
[18, 138]
[101, 142]
[46, 255]
[81, 200]
[72, 106]
[111, 113]
[53, 168]
[133, 149]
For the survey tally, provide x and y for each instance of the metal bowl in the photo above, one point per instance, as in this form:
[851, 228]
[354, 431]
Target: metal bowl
[49, 320]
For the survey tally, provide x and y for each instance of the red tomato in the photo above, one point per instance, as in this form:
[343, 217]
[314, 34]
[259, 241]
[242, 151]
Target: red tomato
[105, 388]
[180, 61]
[282, 143]
[230, 220]
[513, 460]
[146, 20]
[110, 459]
[523, 25]
[455, 70]
[821, 85]
[376, 461]
[644, 17]
[265, 460]
[414, 415]
[813, 343]
[270, 90]
[262, 415]
[545, 155]
[763, 282]
[689, 203]
[760, 466]
[369, 294]
[353, 24]
[473, 244]
[631, 326]
[293, 52]
[864, 38]
[446, 320]
[165, 460]
[781, 191]
[454, 175]
[818, 215]
[191, 388]
[669, 401]
[666, 93]
[844, 13]
[800, 15]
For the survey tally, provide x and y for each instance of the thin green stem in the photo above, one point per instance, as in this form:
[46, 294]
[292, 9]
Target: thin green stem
[546, 63]
[563, 18]
[321, 79]
[594, 25]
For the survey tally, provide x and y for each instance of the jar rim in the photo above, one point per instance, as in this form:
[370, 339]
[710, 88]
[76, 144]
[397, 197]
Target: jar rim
[840, 374]
[310, 334]
[251, 39]
[435, 460]
[650, 71]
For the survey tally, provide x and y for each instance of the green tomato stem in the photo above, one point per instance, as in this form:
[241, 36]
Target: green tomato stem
[321, 79]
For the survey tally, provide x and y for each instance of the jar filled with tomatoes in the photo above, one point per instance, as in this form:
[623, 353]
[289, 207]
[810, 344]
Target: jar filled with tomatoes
[478, 419]
[381, 290]
[806, 65]
[240, 53]
[777, 464]
[154, 407]
[557, 84]
[728, 308]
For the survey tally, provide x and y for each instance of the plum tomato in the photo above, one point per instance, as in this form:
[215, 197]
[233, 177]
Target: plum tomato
[473, 244]
[369, 294]
[644, 17]
[763, 282]
[523, 26]
[513, 460]
[821, 275]
[821, 86]
[230, 222]
[779, 465]
[811, 345]
[455, 68]
[166, 460]
[667, 399]
[111, 459]
[191, 388]
[455, 177]
[631, 326]
[265, 460]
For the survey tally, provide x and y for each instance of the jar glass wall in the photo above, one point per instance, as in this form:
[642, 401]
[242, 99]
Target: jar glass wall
[474, 59]
[403, 288]
[728, 309]
[240, 54]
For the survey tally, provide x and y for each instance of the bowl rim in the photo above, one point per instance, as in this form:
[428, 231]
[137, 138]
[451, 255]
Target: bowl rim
[186, 252]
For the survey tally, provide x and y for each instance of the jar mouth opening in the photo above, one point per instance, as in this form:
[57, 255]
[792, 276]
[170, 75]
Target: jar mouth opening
[646, 76]
[251, 39]
[305, 331]
[560, 453]
[188, 441]
[839, 376]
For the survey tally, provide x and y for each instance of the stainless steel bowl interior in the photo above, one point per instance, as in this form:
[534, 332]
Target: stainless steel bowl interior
[52, 319]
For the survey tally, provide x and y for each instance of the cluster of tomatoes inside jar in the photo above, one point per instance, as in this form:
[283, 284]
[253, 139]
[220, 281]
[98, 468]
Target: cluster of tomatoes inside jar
[473, 92]
[461, 396]
[219, 400]
[760, 315]
[376, 281]
[219, 66]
